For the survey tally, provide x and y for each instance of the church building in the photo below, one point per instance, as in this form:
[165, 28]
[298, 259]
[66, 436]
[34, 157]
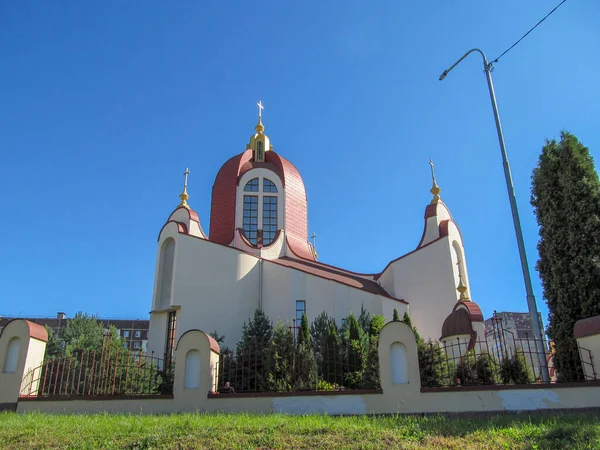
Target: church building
[257, 254]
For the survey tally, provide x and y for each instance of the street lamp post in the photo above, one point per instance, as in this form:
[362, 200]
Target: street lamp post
[533, 312]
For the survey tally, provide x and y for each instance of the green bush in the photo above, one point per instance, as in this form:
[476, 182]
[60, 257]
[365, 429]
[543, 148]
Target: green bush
[514, 370]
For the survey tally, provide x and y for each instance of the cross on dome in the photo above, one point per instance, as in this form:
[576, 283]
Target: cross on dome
[259, 126]
[184, 195]
[435, 189]
[260, 108]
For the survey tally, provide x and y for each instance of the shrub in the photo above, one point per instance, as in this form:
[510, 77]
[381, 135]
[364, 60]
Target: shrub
[433, 364]
[514, 370]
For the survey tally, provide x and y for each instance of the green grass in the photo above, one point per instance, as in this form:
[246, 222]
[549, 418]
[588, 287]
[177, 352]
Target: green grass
[564, 431]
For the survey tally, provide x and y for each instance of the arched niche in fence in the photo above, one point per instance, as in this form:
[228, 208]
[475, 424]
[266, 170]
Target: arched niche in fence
[192, 370]
[12, 355]
[398, 363]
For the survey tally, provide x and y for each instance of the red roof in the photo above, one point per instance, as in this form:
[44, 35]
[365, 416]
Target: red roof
[321, 270]
[222, 215]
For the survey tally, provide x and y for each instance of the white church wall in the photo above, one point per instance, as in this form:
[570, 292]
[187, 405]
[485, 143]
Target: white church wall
[283, 286]
[157, 333]
[425, 279]
[278, 303]
[388, 306]
[216, 287]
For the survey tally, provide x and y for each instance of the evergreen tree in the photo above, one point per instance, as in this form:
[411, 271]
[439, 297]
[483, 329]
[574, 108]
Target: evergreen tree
[434, 367]
[82, 332]
[252, 361]
[320, 328]
[303, 332]
[396, 316]
[257, 334]
[219, 338]
[566, 200]
[353, 327]
[305, 367]
[364, 319]
[407, 321]
[355, 353]
[282, 357]
[332, 369]
[377, 323]
[55, 346]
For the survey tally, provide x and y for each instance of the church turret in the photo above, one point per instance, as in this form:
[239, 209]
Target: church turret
[428, 276]
[259, 142]
[259, 202]
[463, 330]
[184, 218]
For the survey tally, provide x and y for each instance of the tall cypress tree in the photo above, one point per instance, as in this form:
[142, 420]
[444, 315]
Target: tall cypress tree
[566, 199]
[303, 332]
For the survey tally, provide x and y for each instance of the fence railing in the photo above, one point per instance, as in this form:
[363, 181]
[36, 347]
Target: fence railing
[110, 371]
[327, 368]
[503, 359]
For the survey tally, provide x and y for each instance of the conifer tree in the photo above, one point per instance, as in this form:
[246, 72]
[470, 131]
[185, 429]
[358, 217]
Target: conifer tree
[282, 358]
[364, 319]
[566, 200]
[355, 353]
[303, 332]
[252, 362]
[407, 321]
[377, 323]
[396, 316]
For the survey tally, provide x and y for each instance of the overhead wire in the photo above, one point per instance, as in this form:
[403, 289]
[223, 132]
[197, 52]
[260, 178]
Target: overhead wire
[525, 35]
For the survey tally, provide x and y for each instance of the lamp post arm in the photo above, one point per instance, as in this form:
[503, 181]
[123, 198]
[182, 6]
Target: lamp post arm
[485, 62]
[531, 303]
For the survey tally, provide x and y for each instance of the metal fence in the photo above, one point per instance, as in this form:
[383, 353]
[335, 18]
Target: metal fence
[503, 359]
[325, 368]
[110, 371]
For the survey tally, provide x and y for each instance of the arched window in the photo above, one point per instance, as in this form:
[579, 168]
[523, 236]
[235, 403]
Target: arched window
[269, 219]
[252, 185]
[12, 355]
[398, 363]
[260, 211]
[250, 221]
[460, 262]
[192, 370]
[165, 274]
[269, 186]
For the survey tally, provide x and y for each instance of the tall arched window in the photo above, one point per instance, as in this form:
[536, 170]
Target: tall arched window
[165, 273]
[260, 211]
[460, 262]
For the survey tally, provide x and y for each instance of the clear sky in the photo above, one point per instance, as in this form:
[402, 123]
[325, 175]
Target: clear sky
[104, 104]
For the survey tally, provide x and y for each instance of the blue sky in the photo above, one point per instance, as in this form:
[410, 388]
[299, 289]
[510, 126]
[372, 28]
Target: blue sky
[104, 104]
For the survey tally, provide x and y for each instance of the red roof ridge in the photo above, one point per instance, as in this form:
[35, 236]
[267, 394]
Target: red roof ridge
[367, 276]
[336, 274]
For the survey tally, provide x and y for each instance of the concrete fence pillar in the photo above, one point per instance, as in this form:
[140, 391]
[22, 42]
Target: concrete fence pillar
[22, 349]
[399, 367]
[587, 333]
[196, 365]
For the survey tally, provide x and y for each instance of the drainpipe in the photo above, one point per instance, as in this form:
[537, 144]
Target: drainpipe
[260, 287]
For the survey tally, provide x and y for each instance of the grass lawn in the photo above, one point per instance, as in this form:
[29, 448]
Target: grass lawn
[560, 431]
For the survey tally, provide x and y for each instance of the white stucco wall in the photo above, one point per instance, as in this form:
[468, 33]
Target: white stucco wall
[216, 288]
[425, 279]
[283, 286]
